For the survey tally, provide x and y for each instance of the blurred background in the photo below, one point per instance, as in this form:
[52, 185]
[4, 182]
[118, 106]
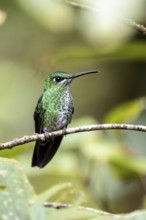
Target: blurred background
[106, 169]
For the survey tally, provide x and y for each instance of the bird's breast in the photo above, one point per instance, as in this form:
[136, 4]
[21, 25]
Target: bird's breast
[58, 112]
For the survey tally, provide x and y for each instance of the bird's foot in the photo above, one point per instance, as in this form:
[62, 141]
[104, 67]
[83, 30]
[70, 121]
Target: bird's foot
[64, 131]
[46, 134]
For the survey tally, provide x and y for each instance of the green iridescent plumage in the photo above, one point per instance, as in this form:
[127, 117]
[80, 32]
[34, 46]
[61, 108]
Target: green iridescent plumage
[53, 112]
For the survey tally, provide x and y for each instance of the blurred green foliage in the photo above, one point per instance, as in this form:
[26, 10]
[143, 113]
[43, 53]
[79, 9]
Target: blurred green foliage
[107, 169]
[19, 201]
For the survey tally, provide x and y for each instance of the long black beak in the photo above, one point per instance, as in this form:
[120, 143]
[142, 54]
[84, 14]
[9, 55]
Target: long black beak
[83, 73]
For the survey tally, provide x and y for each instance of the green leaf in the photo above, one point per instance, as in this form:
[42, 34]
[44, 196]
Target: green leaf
[126, 112]
[38, 210]
[15, 191]
[48, 194]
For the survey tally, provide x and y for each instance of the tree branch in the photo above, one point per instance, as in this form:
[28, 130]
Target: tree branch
[46, 136]
[130, 22]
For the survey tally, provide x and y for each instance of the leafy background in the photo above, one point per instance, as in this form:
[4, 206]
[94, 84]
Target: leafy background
[106, 170]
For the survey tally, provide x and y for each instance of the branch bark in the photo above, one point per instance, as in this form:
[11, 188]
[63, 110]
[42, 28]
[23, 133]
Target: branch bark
[46, 136]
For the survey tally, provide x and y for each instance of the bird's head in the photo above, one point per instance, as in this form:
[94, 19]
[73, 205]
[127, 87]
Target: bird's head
[61, 79]
[58, 79]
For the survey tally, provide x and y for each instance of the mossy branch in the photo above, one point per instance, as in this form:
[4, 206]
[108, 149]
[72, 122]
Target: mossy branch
[46, 136]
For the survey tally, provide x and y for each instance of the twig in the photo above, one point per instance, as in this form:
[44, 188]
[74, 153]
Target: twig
[130, 22]
[35, 137]
[80, 5]
[63, 206]
[139, 27]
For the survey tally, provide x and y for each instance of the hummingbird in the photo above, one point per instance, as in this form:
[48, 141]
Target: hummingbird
[53, 112]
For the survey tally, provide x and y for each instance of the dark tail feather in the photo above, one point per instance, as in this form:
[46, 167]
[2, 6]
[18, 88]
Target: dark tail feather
[44, 152]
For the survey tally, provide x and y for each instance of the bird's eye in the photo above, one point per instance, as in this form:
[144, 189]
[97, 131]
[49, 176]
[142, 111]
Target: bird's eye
[57, 80]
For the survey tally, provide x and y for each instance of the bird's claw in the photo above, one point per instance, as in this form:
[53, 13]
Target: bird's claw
[64, 131]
